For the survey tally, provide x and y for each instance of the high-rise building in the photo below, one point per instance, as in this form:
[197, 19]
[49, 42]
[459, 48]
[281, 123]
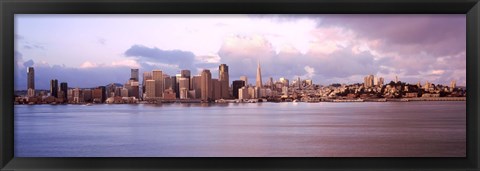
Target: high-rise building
[134, 74]
[206, 85]
[186, 74]
[54, 88]
[237, 84]
[270, 82]
[245, 79]
[150, 88]
[196, 86]
[157, 75]
[259, 77]
[87, 95]
[183, 83]
[368, 81]
[64, 89]
[284, 81]
[223, 77]
[217, 90]
[453, 84]
[243, 93]
[135, 92]
[381, 81]
[31, 81]
[146, 76]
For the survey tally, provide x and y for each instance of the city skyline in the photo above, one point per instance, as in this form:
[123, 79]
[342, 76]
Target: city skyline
[325, 48]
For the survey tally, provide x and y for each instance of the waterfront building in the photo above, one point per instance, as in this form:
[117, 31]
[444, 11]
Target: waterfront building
[157, 75]
[252, 92]
[368, 81]
[453, 84]
[87, 95]
[64, 90]
[77, 96]
[259, 82]
[54, 88]
[206, 85]
[223, 77]
[150, 88]
[146, 76]
[245, 79]
[284, 81]
[237, 84]
[30, 82]
[184, 93]
[124, 92]
[169, 94]
[243, 93]
[134, 74]
[186, 74]
[216, 88]
[196, 85]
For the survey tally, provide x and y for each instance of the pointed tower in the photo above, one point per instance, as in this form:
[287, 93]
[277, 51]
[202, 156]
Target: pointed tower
[259, 76]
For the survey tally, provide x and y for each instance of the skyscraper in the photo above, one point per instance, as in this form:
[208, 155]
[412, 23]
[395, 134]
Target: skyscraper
[134, 74]
[259, 76]
[64, 89]
[157, 75]
[223, 78]
[31, 81]
[216, 88]
[245, 79]
[368, 81]
[146, 76]
[186, 74]
[54, 88]
[206, 85]
[237, 84]
[150, 88]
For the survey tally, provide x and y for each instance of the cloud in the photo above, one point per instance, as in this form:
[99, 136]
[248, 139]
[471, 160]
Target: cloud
[184, 59]
[101, 41]
[88, 64]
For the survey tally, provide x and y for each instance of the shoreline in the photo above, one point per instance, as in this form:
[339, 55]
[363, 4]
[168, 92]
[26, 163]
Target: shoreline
[261, 101]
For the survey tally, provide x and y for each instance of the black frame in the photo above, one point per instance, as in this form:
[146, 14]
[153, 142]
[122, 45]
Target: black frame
[10, 7]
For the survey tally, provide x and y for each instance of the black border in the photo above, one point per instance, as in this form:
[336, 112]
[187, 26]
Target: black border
[10, 7]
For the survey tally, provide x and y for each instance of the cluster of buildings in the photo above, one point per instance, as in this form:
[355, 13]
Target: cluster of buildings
[158, 87]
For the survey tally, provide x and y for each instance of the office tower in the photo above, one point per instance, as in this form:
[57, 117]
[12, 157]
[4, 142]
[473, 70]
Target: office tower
[270, 83]
[243, 93]
[259, 76]
[309, 82]
[299, 83]
[150, 88]
[245, 79]
[157, 75]
[285, 91]
[453, 84]
[368, 81]
[104, 95]
[167, 82]
[124, 92]
[216, 88]
[135, 92]
[237, 84]
[87, 95]
[169, 94]
[146, 76]
[64, 90]
[111, 89]
[31, 82]
[196, 85]
[134, 74]
[54, 88]
[252, 92]
[380, 81]
[183, 83]
[223, 77]
[206, 85]
[77, 96]
[284, 81]
[186, 74]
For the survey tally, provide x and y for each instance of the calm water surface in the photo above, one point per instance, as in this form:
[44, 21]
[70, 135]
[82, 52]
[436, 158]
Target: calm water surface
[388, 129]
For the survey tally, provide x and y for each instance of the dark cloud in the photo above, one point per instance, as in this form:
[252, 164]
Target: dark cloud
[184, 59]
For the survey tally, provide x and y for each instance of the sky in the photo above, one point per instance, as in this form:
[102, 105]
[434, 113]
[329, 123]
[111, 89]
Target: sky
[91, 50]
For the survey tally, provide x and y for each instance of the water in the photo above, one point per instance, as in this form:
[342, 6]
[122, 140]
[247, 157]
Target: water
[388, 129]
